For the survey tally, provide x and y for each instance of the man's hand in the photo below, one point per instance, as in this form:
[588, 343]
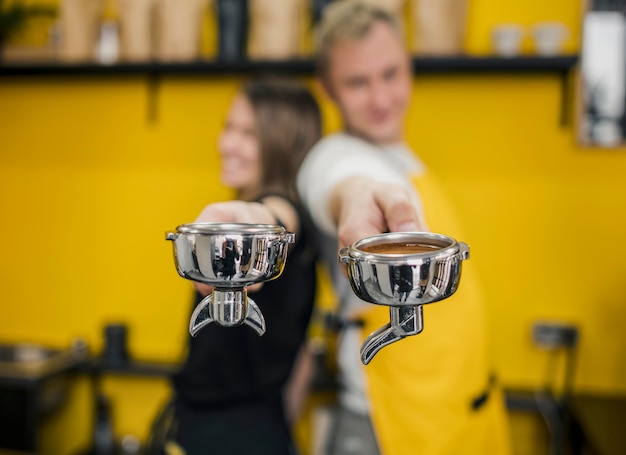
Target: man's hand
[363, 207]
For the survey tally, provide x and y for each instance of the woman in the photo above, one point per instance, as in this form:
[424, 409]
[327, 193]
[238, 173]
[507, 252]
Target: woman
[231, 394]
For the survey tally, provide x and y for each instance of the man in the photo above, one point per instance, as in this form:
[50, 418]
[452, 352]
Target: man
[426, 394]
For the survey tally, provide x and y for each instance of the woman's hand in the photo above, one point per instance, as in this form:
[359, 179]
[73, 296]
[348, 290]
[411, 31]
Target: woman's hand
[236, 212]
[267, 212]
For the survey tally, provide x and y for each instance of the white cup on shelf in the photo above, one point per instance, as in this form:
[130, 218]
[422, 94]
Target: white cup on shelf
[548, 38]
[507, 39]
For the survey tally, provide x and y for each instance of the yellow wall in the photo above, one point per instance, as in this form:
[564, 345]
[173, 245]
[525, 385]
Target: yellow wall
[89, 184]
[545, 218]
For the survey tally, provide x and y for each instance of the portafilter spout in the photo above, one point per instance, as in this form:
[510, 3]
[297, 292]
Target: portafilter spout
[402, 270]
[229, 257]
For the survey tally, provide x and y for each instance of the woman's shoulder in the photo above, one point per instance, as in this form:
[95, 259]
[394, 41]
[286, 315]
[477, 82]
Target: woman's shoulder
[288, 211]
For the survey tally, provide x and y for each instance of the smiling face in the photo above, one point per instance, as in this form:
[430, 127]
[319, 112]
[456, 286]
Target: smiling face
[369, 79]
[238, 146]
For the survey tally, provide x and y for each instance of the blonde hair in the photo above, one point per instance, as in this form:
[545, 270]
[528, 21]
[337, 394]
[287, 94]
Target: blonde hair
[352, 19]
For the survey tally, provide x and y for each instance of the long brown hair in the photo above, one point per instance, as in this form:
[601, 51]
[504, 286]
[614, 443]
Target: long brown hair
[288, 124]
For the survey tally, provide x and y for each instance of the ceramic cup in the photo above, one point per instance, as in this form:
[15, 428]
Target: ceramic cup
[507, 39]
[548, 38]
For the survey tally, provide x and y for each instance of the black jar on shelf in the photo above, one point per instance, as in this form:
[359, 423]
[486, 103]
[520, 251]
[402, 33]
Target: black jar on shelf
[232, 20]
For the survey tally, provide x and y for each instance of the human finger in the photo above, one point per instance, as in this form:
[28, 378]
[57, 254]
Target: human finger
[398, 210]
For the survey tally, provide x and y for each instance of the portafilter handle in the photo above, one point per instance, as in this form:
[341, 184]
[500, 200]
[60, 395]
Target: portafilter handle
[405, 321]
[228, 308]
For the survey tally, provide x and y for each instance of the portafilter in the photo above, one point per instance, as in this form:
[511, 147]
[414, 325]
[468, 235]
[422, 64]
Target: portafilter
[229, 257]
[403, 270]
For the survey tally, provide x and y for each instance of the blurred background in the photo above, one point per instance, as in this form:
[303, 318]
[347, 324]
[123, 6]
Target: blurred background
[109, 116]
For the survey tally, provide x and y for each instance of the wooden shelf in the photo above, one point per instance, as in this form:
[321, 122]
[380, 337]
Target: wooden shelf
[421, 65]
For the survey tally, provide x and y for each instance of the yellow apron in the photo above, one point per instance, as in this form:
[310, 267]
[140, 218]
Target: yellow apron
[422, 388]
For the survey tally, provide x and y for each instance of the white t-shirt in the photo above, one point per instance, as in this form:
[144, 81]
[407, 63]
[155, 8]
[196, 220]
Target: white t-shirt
[331, 160]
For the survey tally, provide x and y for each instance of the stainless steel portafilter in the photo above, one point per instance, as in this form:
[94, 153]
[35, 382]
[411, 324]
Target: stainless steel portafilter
[403, 270]
[229, 257]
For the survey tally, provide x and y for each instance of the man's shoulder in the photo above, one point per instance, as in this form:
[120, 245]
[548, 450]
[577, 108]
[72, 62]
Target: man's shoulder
[341, 141]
